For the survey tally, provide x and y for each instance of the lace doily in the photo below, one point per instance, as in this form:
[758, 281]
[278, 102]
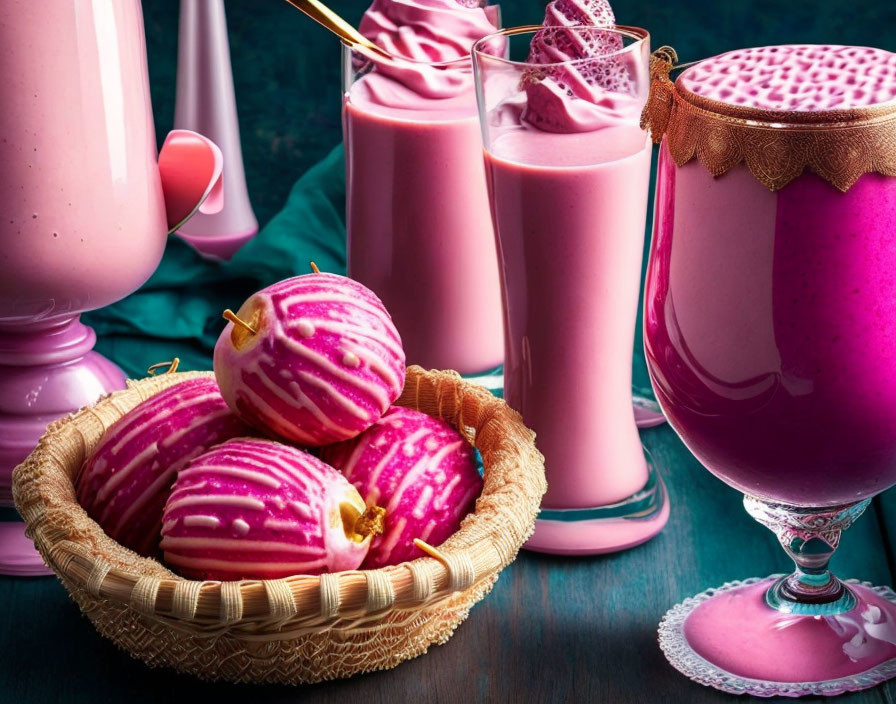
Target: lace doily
[683, 658]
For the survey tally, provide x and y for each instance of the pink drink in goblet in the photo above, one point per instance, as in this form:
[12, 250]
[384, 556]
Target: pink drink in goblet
[770, 333]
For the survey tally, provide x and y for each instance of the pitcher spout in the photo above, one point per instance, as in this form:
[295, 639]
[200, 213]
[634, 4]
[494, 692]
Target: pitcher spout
[191, 168]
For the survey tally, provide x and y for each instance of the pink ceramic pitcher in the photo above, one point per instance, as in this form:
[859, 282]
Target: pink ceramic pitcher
[86, 204]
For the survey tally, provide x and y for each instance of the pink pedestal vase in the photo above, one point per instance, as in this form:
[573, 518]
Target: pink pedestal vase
[46, 370]
[206, 103]
[86, 205]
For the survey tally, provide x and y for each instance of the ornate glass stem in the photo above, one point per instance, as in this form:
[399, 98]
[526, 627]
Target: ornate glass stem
[810, 536]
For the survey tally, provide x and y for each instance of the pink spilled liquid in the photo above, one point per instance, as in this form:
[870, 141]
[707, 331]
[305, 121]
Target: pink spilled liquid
[770, 323]
[803, 78]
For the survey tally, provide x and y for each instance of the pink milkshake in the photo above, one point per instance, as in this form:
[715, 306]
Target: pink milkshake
[569, 212]
[568, 170]
[419, 232]
[84, 218]
[770, 335]
[81, 180]
[769, 327]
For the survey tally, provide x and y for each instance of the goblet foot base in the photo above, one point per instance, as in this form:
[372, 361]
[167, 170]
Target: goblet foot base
[731, 639]
[604, 529]
[38, 395]
[48, 369]
[18, 558]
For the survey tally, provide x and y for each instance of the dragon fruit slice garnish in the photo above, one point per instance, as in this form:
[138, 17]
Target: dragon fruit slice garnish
[559, 97]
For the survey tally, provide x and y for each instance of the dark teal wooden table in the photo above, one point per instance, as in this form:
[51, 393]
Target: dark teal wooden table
[553, 629]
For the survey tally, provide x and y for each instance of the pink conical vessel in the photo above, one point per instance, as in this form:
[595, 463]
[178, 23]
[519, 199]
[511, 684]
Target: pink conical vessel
[206, 103]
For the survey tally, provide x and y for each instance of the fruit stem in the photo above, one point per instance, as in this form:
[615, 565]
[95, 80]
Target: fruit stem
[232, 317]
[371, 522]
[314, 268]
[172, 367]
[429, 550]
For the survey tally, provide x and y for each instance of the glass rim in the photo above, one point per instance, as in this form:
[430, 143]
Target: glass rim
[640, 35]
[386, 56]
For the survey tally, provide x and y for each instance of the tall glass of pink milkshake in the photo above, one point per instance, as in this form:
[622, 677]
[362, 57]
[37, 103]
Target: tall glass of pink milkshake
[568, 168]
[770, 335]
[418, 223]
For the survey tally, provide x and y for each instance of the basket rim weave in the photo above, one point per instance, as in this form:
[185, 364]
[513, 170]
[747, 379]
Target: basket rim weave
[488, 540]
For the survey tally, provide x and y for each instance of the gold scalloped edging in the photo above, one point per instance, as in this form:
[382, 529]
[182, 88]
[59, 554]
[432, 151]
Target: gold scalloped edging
[776, 146]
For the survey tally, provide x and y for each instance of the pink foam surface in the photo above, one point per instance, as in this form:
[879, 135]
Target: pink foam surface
[799, 77]
[564, 98]
[427, 32]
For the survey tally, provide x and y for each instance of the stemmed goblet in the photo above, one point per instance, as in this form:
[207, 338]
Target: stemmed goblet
[87, 206]
[769, 327]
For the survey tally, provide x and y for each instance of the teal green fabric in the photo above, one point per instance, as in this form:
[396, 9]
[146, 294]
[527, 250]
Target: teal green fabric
[178, 311]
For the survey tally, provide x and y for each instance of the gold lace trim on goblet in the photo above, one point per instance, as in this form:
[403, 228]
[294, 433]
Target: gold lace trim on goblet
[776, 146]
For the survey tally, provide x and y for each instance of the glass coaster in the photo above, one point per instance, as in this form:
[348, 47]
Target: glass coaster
[604, 529]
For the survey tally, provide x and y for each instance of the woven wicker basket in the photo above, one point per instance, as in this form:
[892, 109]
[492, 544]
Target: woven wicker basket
[302, 628]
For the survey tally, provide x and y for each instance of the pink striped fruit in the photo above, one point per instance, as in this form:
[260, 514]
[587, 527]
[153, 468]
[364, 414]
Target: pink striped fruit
[125, 482]
[420, 470]
[257, 509]
[314, 359]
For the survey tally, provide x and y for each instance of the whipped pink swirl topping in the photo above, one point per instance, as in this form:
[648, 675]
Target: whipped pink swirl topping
[573, 97]
[427, 32]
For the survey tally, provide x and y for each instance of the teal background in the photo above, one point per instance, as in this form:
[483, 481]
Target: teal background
[286, 68]
[553, 630]
[287, 78]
